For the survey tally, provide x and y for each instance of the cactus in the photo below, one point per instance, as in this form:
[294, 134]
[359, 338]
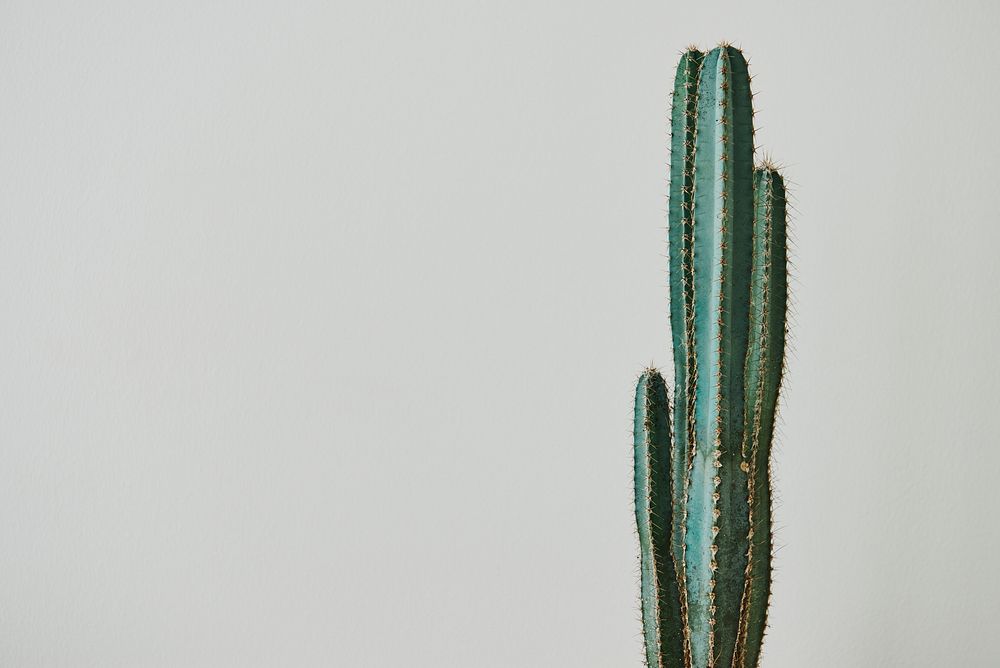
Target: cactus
[703, 493]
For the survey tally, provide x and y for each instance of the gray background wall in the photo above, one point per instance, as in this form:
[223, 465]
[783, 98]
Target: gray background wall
[320, 326]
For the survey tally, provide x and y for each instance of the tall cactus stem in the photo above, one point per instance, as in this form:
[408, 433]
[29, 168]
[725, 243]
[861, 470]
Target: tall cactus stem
[680, 234]
[660, 598]
[717, 521]
[764, 369]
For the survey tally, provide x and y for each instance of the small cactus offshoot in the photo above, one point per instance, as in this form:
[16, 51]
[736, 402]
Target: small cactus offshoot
[702, 475]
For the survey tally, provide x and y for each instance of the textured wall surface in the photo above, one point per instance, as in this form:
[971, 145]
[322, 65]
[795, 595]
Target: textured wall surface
[320, 327]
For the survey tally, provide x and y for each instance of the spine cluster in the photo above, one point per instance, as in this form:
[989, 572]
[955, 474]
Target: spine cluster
[703, 493]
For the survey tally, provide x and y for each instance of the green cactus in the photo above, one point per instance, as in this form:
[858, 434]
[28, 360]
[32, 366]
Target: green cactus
[703, 495]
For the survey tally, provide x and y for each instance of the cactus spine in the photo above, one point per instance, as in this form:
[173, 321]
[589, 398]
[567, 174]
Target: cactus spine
[703, 496]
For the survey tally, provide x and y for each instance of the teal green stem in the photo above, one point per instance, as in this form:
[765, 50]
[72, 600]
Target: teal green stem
[661, 616]
[764, 369]
[717, 520]
[680, 235]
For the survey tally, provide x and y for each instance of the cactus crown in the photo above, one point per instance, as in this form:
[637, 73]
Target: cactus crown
[702, 477]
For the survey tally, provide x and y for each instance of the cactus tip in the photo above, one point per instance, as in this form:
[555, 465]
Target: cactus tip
[768, 163]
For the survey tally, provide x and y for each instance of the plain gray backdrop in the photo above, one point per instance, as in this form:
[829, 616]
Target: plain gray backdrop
[321, 323]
